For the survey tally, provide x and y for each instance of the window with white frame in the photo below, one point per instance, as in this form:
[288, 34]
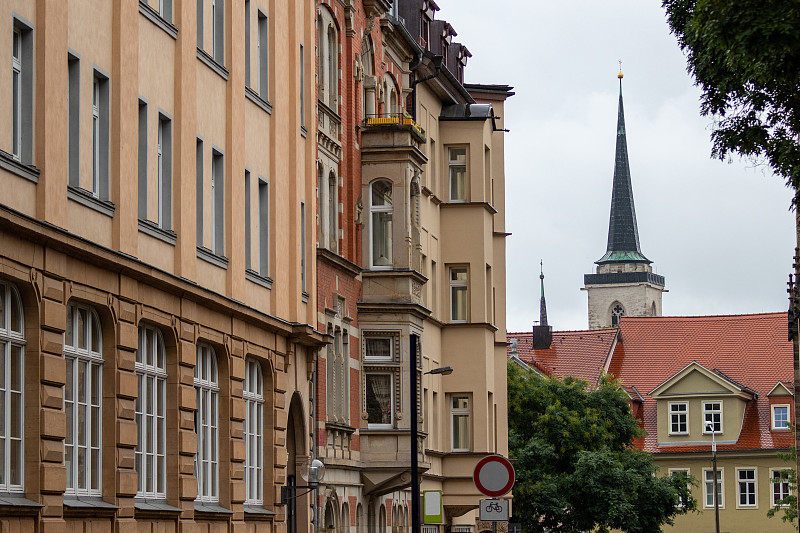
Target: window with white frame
[780, 416]
[12, 350]
[457, 162]
[746, 487]
[678, 418]
[708, 487]
[254, 433]
[459, 423]
[379, 399]
[83, 393]
[151, 420]
[381, 224]
[673, 472]
[458, 294]
[378, 347]
[100, 136]
[712, 417]
[780, 486]
[206, 461]
[22, 92]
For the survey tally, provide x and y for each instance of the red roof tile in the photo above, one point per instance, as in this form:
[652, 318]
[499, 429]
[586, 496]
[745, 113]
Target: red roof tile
[581, 354]
[751, 350]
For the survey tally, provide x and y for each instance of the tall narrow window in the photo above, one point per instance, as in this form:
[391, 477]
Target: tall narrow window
[12, 349]
[83, 401]
[747, 487]
[263, 55]
[199, 219]
[458, 294]
[206, 462]
[165, 9]
[200, 23]
[164, 172]
[248, 231]
[780, 486]
[218, 30]
[381, 224]
[218, 203]
[302, 88]
[151, 372]
[254, 433]
[459, 427]
[333, 69]
[709, 488]
[712, 415]
[100, 136]
[74, 119]
[303, 246]
[333, 213]
[247, 43]
[330, 362]
[263, 227]
[378, 398]
[458, 174]
[22, 92]
[142, 160]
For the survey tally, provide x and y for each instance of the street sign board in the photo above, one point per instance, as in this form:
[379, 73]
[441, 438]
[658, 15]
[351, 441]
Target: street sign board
[493, 476]
[494, 510]
[432, 507]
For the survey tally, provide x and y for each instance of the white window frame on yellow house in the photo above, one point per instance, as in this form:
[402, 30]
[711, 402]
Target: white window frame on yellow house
[672, 471]
[782, 477]
[673, 414]
[772, 416]
[753, 482]
[720, 482]
[707, 412]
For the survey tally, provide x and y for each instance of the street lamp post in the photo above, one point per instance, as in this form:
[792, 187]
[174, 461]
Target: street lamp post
[446, 370]
[710, 427]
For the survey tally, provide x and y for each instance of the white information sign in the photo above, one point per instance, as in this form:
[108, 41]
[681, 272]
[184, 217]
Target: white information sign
[494, 510]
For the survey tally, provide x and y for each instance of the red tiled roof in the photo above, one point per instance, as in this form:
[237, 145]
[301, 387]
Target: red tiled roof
[581, 354]
[751, 350]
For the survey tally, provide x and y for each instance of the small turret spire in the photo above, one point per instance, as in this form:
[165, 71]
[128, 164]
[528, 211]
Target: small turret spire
[542, 304]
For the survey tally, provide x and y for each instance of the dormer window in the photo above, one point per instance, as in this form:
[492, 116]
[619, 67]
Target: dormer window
[712, 417]
[679, 418]
[780, 416]
[424, 30]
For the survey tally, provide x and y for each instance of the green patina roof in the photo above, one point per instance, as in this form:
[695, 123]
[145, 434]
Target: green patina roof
[623, 234]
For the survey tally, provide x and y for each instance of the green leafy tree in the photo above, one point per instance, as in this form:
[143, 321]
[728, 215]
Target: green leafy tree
[787, 507]
[745, 57]
[577, 469]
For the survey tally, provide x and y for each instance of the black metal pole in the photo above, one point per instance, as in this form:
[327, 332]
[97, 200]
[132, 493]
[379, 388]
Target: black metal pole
[716, 489]
[415, 525]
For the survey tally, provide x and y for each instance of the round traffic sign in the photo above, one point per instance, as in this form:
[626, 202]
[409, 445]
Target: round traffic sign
[494, 476]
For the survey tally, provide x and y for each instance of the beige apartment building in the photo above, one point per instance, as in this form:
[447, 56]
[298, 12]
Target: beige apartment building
[415, 159]
[157, 307]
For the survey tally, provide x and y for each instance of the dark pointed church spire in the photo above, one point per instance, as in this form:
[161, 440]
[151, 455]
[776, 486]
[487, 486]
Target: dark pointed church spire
[623, 234]
[542, 304]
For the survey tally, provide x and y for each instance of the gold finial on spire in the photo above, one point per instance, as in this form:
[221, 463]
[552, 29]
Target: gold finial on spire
[620, 70]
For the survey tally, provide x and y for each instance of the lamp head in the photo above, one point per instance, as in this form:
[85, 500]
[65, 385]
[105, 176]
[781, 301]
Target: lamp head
[444, 370]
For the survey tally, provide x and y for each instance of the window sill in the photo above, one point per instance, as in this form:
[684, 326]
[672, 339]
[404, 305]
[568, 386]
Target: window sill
[154, 508]
[256, 512]
[210, 257]
[258, 279]
[780, 429]
[211, 510]
[152, 229]
[682, 434]
[17, 505]
[29, 172]
[83, 506]
[155, 17]
[87, 199]
[256, 99]
[211, 63]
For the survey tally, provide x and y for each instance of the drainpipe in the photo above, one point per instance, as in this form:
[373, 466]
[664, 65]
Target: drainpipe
[437, 63]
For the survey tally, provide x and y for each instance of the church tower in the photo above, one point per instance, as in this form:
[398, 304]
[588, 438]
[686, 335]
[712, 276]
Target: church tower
[624, 282]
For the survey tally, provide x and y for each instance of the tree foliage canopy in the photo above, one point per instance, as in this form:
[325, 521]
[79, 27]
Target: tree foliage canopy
[575, 464]
[745, 57]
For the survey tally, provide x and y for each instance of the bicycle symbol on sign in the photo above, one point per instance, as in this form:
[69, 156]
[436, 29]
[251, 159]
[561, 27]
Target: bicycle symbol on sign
[494, 507]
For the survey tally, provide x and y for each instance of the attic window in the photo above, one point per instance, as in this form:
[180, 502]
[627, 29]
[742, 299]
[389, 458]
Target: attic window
[780, 416]
[712, 415]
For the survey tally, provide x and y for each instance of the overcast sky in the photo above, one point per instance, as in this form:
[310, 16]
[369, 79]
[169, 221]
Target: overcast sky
[720, 232]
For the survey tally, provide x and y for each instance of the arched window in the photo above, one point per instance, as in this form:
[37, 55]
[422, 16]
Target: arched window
[12, 349]
[617, 312]
[344, 523]
[83, 397]
[151, 372]
[206, 461]
[254, 433]
[381, 223]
